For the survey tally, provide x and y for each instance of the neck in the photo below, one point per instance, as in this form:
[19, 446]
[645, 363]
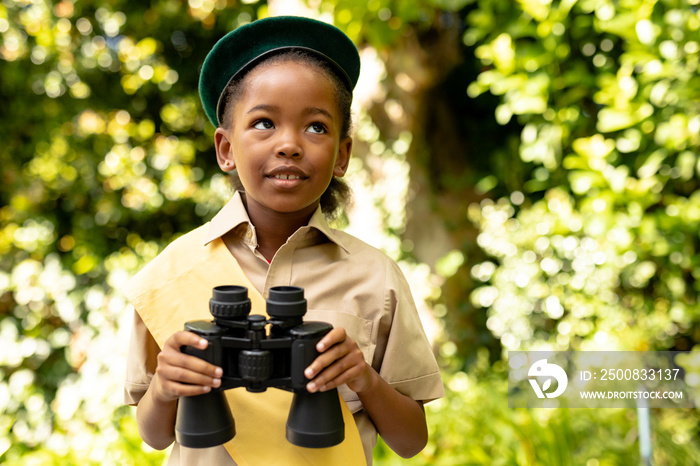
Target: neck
[273, 228]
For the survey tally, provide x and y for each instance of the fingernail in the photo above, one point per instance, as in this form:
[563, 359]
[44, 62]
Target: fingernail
[206, 389]
[216, 383]
[218, 372]
[202, 342]
[309, 373]
[311, 387]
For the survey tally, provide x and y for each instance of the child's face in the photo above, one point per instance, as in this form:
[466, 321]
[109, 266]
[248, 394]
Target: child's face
[285, 137]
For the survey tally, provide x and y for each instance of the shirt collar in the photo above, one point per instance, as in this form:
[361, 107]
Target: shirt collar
[318, 221]
[234, 214]
[228, 218]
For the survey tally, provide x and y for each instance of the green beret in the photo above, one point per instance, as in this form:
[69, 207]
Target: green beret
[245, 46]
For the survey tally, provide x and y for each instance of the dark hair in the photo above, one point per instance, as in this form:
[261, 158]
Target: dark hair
[338, 193]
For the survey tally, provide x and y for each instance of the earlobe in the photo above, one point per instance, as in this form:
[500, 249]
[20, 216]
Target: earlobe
[224, 152]
[341, 163]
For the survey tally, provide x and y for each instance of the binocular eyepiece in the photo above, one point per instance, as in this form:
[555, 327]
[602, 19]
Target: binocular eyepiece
[256, 359]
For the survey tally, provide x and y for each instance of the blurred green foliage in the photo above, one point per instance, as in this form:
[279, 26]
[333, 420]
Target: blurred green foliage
[563, 163]
[599, 248]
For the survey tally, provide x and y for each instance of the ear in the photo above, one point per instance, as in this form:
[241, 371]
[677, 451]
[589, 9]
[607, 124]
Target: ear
[224, 150]
[343, 159]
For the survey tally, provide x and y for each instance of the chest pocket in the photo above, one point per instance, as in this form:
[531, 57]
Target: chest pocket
[357, 328]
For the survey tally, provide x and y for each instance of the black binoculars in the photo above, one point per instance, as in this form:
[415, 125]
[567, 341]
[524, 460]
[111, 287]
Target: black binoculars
[257, 360]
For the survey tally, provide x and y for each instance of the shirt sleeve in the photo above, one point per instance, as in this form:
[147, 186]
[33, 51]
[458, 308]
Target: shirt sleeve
[407, 363]
[141, 362]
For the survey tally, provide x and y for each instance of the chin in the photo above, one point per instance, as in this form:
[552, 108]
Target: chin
[293, 208]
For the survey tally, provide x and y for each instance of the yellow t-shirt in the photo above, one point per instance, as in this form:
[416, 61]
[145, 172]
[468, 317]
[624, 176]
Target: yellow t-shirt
[346, 283]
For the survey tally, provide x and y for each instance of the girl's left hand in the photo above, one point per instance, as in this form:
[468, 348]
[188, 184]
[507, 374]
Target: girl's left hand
[340, 362]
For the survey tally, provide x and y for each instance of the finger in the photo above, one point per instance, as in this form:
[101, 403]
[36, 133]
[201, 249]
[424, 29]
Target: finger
[324, 360]
[334, 345]
[340, 371]
[329, 375]
[335, 336]
[190, 390]
[183, 338]
[172, 356]
[182, 375]
[335, 376]
[177, 359]
[171, 390]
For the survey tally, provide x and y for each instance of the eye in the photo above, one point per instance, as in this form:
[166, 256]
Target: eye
[263, 124]
[316, 128]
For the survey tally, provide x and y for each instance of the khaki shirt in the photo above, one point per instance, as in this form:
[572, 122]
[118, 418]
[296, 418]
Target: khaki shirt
[346, 283]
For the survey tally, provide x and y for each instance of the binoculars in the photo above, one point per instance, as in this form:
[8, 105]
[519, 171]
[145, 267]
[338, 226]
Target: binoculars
[256, 359]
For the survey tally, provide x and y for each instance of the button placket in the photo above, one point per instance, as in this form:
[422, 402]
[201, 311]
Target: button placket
[280, 271]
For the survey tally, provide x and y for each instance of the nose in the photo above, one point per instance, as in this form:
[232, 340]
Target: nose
[288, 145]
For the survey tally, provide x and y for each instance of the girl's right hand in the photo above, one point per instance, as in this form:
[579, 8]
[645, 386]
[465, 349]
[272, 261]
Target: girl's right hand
[179, 374]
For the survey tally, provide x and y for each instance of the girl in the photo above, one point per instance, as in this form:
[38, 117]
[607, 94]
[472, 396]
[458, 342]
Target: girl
[279, 92]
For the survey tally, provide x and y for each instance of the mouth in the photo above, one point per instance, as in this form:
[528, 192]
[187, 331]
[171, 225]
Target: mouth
[286, 176]
[287, 173]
